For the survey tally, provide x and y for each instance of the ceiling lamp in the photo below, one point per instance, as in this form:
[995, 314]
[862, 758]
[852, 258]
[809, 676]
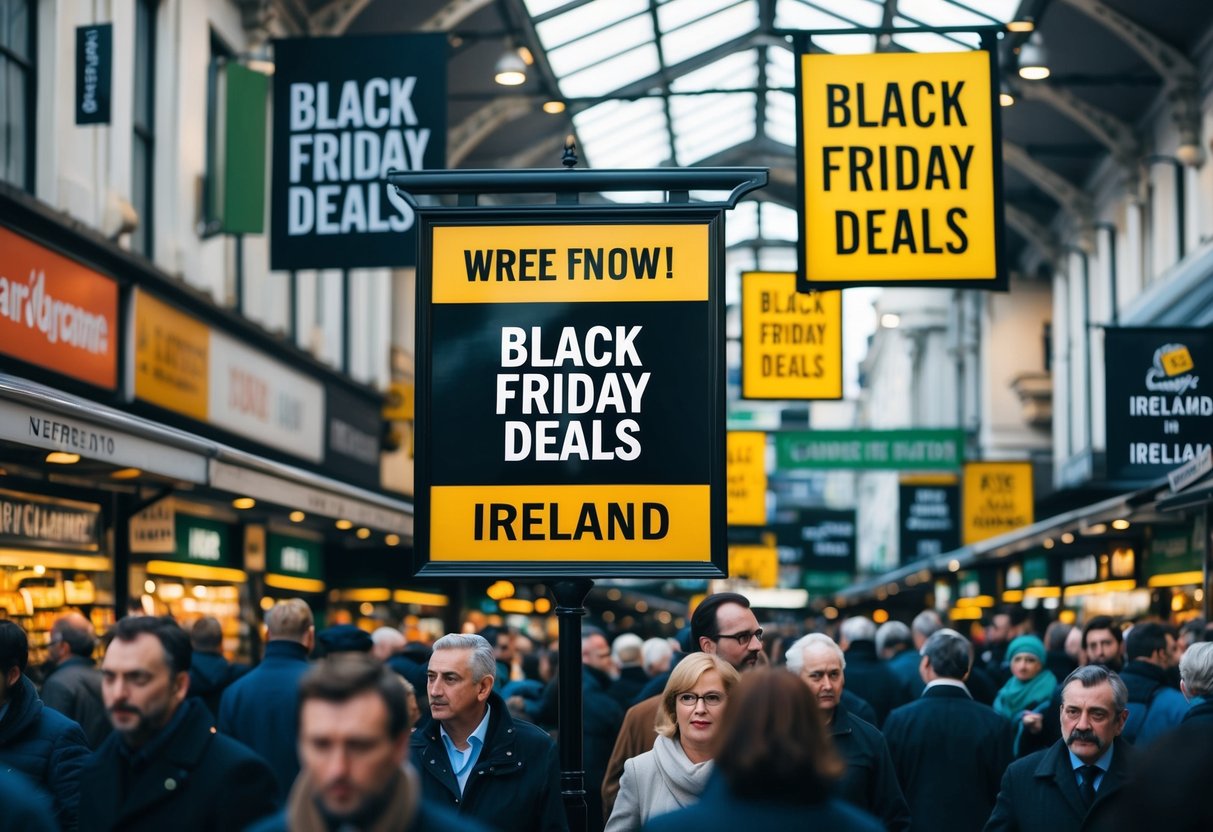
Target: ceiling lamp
[1006, 96]
[1033, 60]
[511, 69]
[553, 107]
[1023, 24]
[62, 458]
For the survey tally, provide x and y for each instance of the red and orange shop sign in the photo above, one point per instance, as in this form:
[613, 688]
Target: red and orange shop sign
[56, 313]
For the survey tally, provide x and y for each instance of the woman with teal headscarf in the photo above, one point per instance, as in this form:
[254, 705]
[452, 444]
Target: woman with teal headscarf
[1029, 690]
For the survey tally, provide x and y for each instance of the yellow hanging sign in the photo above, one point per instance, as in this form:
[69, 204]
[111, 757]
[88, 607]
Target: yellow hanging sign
[997, 498]
[791, 343]
[747, 478]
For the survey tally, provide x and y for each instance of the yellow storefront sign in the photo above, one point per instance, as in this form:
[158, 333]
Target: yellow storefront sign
[570, 263]
[791, 343]
[172, 357]
[997, 498]
[759, 564]
[900, 170]
[746, 457]
[570, 523]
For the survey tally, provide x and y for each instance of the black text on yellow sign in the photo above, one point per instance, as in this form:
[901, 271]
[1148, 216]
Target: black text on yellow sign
[791, 343]
[997, 498]
[900, 173]
[757, 564]
[746, 471]
[570, 263]
[570, 523]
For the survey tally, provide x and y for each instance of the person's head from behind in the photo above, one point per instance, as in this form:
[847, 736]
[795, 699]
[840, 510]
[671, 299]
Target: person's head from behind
[1153, 643]
[145, 675]
[1094, 703]
[353, 733]
[1196, 670]
[386, 642]
[855, 629]
[1101, 641]
[14, 655]
[657, 655]
[460, 678]
[924, 625]
[946, 655]
[1027, 657]
[72, 635]
[774, 745]
[626, 650]
[724, 624]
[206, 635]
[893, 637]
[692, 704]
[291, 620]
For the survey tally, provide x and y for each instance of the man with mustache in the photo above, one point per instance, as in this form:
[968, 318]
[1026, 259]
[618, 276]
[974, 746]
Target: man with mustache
[164, 766]
[1070, 785]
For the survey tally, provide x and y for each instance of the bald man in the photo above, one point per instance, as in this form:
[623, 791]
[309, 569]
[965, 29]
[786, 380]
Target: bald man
[74, 688]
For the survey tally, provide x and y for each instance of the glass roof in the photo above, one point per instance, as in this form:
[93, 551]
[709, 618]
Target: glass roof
[684, 82]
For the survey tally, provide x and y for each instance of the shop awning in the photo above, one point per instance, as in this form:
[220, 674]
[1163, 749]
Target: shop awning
[41, 417]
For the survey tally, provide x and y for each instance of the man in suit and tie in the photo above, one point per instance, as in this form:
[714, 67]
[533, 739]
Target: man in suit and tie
[949, 751]
[1070, 785]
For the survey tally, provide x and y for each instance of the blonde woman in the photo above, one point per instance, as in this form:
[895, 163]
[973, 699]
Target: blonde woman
[675, 772]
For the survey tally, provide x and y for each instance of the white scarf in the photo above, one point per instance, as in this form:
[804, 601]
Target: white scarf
[685, 780]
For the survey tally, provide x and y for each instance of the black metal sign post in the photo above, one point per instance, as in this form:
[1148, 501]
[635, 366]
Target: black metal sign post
[570, 407]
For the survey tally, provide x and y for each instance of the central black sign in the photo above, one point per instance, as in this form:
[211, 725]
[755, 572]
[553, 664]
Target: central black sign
[930, 517]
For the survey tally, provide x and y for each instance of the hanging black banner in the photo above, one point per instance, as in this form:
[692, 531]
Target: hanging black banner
[94, 59]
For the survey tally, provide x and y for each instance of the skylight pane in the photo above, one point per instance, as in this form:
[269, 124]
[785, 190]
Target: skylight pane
[602, 45]
[1002, 9]
[781, 68]
[538, 7]
[636, 196]
[610, 75]
[741, 224]
[711, 110]
[584, 20]
[674, 13]
[779, 222]
[736, 71]
[781, 118]
[846, 44]
[939, 13]
[926, 42]
[697, 38]
[862, 12]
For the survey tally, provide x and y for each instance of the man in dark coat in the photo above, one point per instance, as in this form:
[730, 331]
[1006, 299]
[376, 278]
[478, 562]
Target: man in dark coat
[867, 675]
[626, 653]
[473, 757]
[870, 781]
[1070, 785]
[1152, 654]
[895, 645]
[601, 718]
[1196, 682]
[950, 752]
[26, 808]
[37, 741]
[261, 709]
[354, 742]
[210, 671]
[74, 687]
[165, 767]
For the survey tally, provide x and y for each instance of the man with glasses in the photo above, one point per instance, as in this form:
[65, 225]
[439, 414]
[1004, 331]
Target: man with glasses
[722, 624]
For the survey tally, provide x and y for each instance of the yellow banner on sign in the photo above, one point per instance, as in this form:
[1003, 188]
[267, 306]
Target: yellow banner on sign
[997, 498]
[746, 456]
[632, 523]
[172, 357]
[791, 343]
[898, 162]
[569, 263]
[759, 564]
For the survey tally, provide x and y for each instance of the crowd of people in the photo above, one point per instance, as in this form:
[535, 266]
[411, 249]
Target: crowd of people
[897, 727]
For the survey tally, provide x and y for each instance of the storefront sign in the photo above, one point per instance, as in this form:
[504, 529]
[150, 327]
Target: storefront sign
[903, 450]
[57, 314]
[900, 170]
[204, 541]
[827, 538]
[998, 498]
[930, 516]
[32, 521]
[1158, 414]
[295, 556]
[758, 565]
[182, 365]
[1083, 570]
[747, 477]
[1173, 550]
[346, 111]
[570, 412]
[352, 439]
[791, 343]
[153, 530]
[94, 59]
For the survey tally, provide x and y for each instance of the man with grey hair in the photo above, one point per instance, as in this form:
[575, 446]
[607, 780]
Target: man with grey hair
[656, 656]
[1196, 682]
[74, 688]
[870, 782]
[626, 654]
[473, 757]
[1070, 785]
[949, 751]
[387, 642]
[867, 675]
[895, 644]
[261, 708]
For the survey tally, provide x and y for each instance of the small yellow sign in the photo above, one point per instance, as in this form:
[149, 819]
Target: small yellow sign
[998, 498]
[571, 523]
[398, 404]
[569, 263]
[1177, 361]
[791, 343]
[747, 478]
[172, 358]
[899, 169]
[759, 564]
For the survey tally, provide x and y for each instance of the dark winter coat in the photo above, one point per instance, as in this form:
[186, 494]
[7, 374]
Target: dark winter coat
[26, 808]
[1201, 712]
[1154, 707]
[261, 710]
[870, 781]
[601, 718]
[187, 779]
[46, 747]
[720, 811]
[950, 754]
[74, 690]
[630, 683]
[515, 786]
[905, 667]
[1040, 793]
[210, 674]
[870, 678]
[429, 818]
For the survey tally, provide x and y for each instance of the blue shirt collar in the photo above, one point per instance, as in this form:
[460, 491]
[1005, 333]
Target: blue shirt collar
[1103, 763]
[476, 738]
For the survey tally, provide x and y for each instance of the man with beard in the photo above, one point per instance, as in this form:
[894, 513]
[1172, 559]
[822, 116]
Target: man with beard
[1154, 707]
[165, 767]
[1070, 785]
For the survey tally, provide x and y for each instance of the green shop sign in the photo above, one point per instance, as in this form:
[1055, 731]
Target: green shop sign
[826, 582]
[294, 556]
[203, 541]
[1174, 550]
[888, 450]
